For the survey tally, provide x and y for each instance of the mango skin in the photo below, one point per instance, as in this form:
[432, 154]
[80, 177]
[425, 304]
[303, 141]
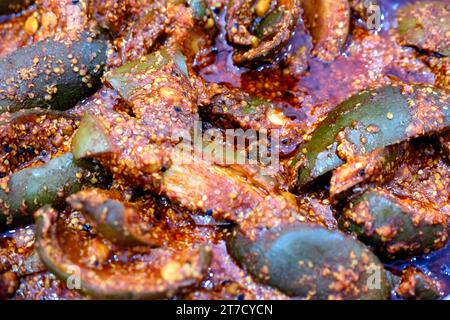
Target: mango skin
[395, 228]
[368, 121]
[32, 188]
[52, 79]
[118, 281]
[425, 25]
[306, 261]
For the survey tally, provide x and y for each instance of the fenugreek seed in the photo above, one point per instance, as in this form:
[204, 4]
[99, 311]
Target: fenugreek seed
[209, 23]
[262, 7]
[31, 25]
[255, 42]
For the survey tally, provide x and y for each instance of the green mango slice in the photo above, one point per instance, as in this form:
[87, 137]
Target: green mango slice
[396, 228]
[154, 275]
[51, 74]
[32, 188]
[368, 121]
[117, 220]
[309, 261]
[425, 25]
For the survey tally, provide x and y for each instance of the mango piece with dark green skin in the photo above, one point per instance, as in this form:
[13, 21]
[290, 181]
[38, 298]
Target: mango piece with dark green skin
[52, 74]
[117, 220]
[296, 56]
[14, 6]
[310, 261]
[425, 25]
[265, 29]
[268, 38]
[157, 274]
[163, 78]
[31, 188]
[124, 80]
[395, 228]
[416, 285]
[92, 131]
[368, 121]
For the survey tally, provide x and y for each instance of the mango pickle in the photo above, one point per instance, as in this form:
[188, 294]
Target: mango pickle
[238, 149]
[367, 121]
[425, 25]
[416, 285]
[306, 261]
[124, 81]
[116, 219]
[90, 130]
[29, 189]
[200, 10]
[28, 136]
[360, 8]
[234, 108]
[372, 169]
[328, 22]
[396, 228]
[163, 274]
[265, 29]
[52, 74]
[275, 30]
